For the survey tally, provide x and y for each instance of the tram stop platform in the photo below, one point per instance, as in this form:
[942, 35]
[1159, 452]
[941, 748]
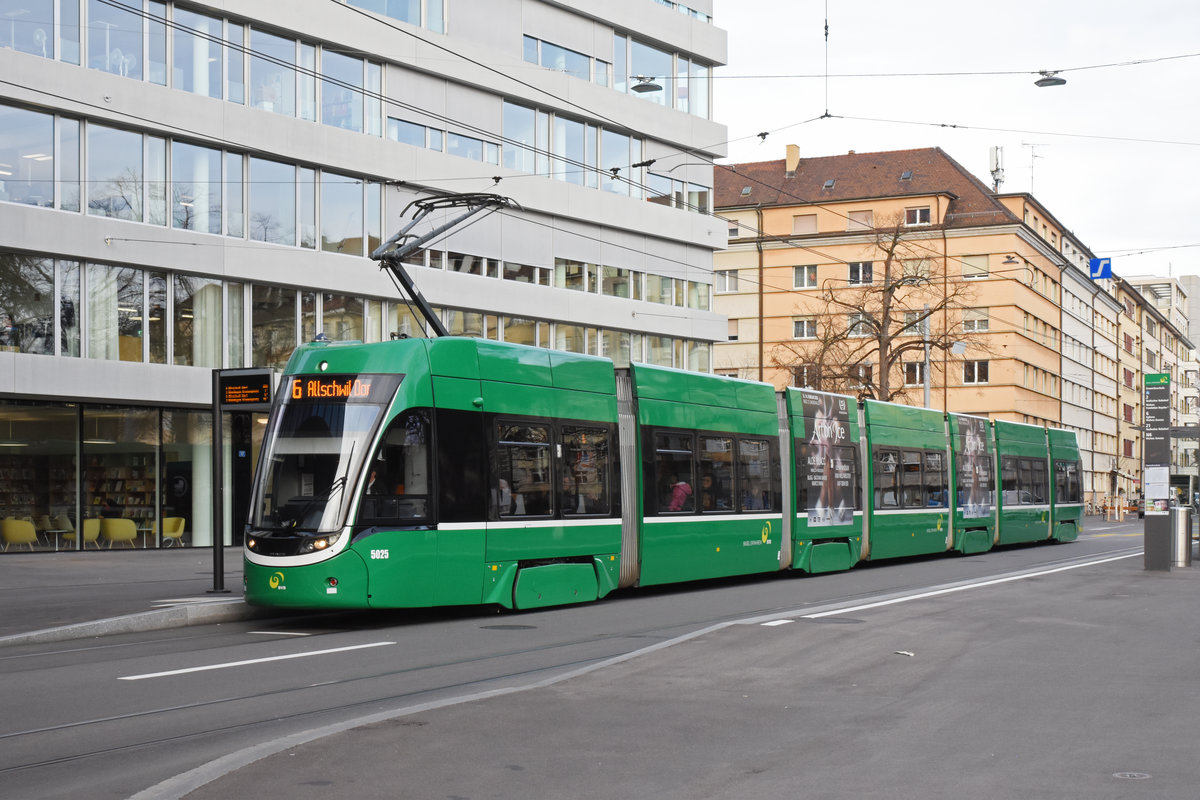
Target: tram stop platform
[60, 596]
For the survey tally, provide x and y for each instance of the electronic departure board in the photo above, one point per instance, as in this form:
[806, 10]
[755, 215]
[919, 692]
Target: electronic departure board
[246, 389]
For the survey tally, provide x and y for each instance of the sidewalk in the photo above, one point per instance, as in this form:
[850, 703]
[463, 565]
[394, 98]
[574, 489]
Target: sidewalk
[59, 596]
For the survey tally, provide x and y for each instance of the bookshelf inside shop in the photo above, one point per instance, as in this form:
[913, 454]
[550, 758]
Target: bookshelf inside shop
[120, 486]
[33, 485]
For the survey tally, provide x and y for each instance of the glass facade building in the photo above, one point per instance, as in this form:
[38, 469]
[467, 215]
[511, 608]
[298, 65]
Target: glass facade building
[218, 205]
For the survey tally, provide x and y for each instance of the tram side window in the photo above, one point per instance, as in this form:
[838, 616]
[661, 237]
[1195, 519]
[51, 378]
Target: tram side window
[1066, 482]
[754, 474]
[1010, 492]
[674, 482]
[1038, 486]
[460, 466]
[397, 486]
[974, 485]
[887, 479]
[584, 471]
[912, 494]
[522, 471]
[716, 474]
[936, 490]
[1025, 481]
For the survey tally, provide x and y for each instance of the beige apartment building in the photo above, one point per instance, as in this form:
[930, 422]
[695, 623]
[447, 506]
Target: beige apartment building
[901, 276]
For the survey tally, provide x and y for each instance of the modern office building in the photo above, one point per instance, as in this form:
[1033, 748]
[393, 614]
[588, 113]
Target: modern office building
[190, 186]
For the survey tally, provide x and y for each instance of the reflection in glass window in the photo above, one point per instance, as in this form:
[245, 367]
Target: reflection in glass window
[754, 474]
[115, 38]
[560, 58]
[523, 471]
[567, 146]
[68, 163]
[650, 62]
[699, 357]
[235, 63]
[306, 82]
[464, 146]
[342, 317]
[716, 474]
[29, 27]
[272, 201]
[658, 189]
[307, 186]
[614, 154]
[464, 323]
[399, 130]
[114, 312]
[156, 180]
[569, 338]
[156, 42]
[341, 91]
[374, 216]
[155, 323]
[235, 216]
[27, 157]
[569, 274]
[195, 188]
[341, 214]
[26, 304]
[197, 53]
[519, 138]
[198, 328]
[520, 331]
[661, 351]
[615, 282]
[658, 289]
[698, 90]
[614, 345]
[462, 262]
[273, 325]
[583, 486]
[69, 275]
[235, 330]
[114, 173]
[273, 81]
[404, 10]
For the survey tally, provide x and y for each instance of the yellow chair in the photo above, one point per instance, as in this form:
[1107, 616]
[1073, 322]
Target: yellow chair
[91, 530]
[17, 531]
[118, 530]
[172, 531]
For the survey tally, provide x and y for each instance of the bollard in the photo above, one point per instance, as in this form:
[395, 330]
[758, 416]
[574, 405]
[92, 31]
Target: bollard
[1181, 536]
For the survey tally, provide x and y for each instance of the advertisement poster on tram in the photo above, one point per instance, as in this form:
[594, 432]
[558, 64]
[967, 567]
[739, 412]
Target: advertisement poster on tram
[827, 468]
[974, 468]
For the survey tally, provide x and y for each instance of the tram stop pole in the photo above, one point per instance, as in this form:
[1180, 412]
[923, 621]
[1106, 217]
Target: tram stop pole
[232, 390]
[1156, 471]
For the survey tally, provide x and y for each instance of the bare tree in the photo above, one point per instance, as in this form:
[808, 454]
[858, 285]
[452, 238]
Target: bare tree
[860, 334]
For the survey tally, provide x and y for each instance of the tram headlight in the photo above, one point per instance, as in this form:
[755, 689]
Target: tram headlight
[252, 545]
[320, 543]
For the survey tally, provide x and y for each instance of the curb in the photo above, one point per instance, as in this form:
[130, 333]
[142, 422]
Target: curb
[203, 613]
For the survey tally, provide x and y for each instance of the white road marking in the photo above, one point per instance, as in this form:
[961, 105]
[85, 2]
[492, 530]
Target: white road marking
[965, 587]
[249, 661]
[279, 633]
[775, 622]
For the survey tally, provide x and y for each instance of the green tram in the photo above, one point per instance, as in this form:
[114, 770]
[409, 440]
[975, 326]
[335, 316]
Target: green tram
[451, 471]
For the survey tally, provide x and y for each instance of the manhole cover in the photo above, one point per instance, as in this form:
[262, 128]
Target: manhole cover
[509, 627]
[1131, 776]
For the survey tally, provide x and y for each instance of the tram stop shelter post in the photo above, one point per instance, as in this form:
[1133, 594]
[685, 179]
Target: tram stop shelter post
[1156, 472]
[233, 390]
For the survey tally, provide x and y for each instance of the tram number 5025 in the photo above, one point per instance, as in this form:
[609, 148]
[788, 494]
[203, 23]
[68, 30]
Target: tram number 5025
[379, 554]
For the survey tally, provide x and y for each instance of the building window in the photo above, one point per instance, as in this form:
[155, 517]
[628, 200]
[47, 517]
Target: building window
[975, 372]
[804, 328]
[974, 267]
[806, 376]
[725, 280]
[860, 221]
[916, 268]
[1129, 378]
[804, 277]
[733, 330]
[804, 223]
[1127, 448]
[914, 373]
[916, 216]
[860, 324]
[916, 323]
[975, 320]
[860, 273]
[1151, 359]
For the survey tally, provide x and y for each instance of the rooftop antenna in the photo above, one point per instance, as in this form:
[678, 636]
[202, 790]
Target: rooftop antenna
[1033, 157]
[997, 167]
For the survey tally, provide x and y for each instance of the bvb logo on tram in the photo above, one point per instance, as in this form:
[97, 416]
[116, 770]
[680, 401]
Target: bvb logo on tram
[276, 581]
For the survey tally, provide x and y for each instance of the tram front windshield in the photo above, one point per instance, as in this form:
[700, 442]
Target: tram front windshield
[319, 436]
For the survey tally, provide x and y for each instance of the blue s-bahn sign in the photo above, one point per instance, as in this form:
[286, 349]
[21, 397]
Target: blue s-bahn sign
[1100, 268]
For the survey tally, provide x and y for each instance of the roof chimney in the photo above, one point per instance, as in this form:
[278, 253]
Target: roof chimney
[793, 159]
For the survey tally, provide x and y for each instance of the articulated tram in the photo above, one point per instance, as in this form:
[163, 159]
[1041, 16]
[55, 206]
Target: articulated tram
[453, 471]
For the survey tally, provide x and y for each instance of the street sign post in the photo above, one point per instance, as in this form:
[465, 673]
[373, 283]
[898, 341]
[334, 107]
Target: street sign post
[1156, 491]
[1099, 268]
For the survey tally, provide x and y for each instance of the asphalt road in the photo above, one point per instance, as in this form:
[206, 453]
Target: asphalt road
[167, 712]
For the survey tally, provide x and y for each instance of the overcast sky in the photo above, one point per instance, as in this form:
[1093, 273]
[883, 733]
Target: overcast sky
[1137, 190]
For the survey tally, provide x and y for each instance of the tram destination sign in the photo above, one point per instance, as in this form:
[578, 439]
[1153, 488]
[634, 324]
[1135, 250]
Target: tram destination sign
[246, 390]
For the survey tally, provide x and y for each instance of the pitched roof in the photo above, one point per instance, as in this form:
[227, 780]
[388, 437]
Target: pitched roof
[863, 176]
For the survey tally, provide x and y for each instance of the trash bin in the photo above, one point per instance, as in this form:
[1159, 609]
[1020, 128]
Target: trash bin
[1181, 536]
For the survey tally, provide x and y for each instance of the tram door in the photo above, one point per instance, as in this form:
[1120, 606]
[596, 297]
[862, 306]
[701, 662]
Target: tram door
[247, 429]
